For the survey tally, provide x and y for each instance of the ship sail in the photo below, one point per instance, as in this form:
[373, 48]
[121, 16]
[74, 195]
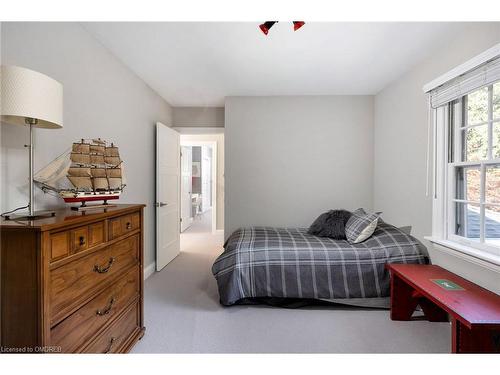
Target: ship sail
[100, 183]
[81, 148]
[54, 171]
[97, 149]
[98, 172]
[89, 170]
[79, 171]
[114, 172]
[112, 151]
[115, 183]
[99, 141]
[80, 158]
[81, 183]
[114, 177]
[97, 159]
[113, 160]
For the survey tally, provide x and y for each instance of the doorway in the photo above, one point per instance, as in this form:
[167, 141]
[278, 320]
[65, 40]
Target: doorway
[198, 188]
[174, 182]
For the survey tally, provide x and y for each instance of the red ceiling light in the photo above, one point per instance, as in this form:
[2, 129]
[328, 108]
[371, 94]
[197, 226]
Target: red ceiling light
[297, 25]
[266, 26]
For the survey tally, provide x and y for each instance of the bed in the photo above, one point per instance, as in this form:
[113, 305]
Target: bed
[288, 263]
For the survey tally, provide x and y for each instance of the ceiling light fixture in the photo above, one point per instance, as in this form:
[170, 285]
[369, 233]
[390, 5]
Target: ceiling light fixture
[297, 25]
[268, 24]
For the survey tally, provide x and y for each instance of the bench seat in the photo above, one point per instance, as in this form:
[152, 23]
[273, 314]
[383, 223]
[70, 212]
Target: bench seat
[474, 311]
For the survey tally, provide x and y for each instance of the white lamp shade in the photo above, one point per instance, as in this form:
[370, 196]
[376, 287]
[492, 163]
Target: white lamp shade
[29, 94]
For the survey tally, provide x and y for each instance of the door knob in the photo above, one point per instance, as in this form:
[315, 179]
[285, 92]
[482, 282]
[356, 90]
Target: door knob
[161, 204]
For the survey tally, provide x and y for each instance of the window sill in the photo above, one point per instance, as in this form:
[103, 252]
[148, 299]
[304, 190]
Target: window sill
[468, 252]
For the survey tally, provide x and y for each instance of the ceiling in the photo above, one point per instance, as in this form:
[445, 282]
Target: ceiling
[200, 63]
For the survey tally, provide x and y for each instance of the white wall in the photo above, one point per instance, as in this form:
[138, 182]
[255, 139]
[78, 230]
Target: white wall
[102, 98]
[219, 138]
[288, 159]
[198, 116]
[401, 141]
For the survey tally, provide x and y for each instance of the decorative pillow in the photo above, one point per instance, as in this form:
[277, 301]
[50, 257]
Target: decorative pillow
[361, 225]
[330, 224]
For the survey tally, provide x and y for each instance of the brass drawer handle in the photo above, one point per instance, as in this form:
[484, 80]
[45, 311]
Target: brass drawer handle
[82, 240]
[107, 309]
[129, 225]
[111, 342]
[99, 269]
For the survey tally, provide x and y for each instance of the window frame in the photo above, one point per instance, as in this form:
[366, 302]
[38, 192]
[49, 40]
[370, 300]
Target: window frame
[447, 132]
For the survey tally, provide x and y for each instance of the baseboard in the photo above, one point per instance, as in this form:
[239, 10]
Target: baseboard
[149, 270]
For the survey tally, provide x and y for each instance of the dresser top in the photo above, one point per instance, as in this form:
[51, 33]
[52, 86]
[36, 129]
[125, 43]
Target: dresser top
[66, 216]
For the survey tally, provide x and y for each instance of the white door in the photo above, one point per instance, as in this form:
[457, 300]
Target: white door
[206, 178]
[167, 195]
[186, 186]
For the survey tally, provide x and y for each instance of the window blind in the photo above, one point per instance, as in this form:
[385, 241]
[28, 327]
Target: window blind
[482, 75]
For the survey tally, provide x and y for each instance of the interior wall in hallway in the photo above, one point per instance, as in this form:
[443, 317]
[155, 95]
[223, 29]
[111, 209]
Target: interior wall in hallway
[197, 159]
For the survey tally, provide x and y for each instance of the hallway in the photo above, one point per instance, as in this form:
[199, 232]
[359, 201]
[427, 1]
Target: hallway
[201, 224]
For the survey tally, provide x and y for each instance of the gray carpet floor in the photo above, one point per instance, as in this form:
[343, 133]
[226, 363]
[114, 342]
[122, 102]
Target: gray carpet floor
[183, 315]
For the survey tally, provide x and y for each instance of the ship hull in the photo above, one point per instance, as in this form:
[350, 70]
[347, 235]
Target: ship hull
[83, 197]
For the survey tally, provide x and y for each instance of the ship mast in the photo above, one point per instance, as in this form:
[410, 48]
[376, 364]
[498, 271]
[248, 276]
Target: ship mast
[96, 167]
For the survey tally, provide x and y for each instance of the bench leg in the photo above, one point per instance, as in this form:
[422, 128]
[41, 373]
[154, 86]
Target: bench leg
[455, 336]
[403, 303]
[465, 340]
[432, 312]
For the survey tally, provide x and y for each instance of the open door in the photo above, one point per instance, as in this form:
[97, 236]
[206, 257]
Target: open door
[167, 195]
[186, 187]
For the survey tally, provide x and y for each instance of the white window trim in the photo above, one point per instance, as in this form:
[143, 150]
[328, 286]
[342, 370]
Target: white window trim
[467, 252]
[469, 65]
[443, 193]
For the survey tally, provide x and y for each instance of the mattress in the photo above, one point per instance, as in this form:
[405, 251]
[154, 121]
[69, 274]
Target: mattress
[260, 262]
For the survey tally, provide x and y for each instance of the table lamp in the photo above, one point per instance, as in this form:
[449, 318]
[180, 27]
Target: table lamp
[31, 99]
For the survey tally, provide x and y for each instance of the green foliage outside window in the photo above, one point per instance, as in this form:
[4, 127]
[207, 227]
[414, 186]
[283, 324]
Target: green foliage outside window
[476, 147]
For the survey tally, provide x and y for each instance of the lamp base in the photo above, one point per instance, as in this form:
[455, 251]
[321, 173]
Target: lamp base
[26, 215]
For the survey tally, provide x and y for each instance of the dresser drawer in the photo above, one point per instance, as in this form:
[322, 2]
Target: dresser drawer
[86, 237]
[73, 282]
[122, 225]
[59, 245]
[116, 336]
[63, 244]
[84, 323]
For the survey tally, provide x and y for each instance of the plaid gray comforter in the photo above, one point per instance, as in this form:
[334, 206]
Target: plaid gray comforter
[288, 262]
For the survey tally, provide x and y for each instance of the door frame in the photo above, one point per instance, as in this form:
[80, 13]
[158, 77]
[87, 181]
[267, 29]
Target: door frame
[213, 144]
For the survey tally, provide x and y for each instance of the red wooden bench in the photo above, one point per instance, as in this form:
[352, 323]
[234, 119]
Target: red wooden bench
[474, 311]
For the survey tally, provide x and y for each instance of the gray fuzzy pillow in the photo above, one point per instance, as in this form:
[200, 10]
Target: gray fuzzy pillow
[330, 224]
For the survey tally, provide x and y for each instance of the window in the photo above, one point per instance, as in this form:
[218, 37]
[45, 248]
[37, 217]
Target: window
[464, 142]
[471, 181]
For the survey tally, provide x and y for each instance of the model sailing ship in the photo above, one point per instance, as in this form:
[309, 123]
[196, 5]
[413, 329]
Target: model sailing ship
[90, 171]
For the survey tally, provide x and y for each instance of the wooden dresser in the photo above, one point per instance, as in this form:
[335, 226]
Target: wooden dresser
[73, 282]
